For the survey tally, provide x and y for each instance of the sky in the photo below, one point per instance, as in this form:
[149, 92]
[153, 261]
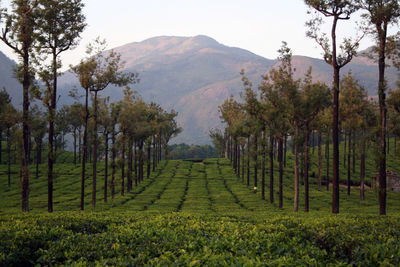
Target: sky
[259, 26]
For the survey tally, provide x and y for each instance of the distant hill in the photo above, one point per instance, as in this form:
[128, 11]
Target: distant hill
[8, 80]
[193, 75]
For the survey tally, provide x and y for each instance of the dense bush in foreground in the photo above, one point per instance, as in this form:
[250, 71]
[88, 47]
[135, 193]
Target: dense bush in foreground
[131, 239]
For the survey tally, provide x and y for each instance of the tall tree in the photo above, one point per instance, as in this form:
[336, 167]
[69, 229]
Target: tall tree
[19, 34]
[9, 119]
[38, 128]
[338, 10]
[381, 14]
[353, 98]
[95, 73]
[4, 100]
[60, 23]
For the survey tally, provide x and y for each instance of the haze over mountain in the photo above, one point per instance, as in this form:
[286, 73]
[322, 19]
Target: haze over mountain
[193, 75]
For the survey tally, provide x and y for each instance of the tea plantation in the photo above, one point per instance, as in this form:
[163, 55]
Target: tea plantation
[192, 212]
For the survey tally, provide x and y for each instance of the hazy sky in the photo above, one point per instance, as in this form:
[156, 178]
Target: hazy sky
[255, 25]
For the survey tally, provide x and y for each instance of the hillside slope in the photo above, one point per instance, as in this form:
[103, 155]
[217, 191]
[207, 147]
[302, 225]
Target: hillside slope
[193, 75]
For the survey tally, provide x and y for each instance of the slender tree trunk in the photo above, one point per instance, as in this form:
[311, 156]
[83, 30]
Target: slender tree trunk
[154, 153]
[306, 167]
[327, 160]
[1, 147]
[113, 164]
[271, 169]
[74, 146]
[344, 151]
[263, 167]
[382, 33]
[38, 146]
[362, 168]
[335, 132]
[255, 163]
[348, 166]
[248, 160]
[123, 164]
[26, 83]
[354, 152]
[141, 161]
[296, 170]
[105, 166]
[234, 155]
[130, 163]
[94, 151]
[243, 155]
[148, 158]
[9, 156]
[313, 142]
[80, 145]
[238, 160]
[136, 163]
[284, 151]
[280, 160]
[319, 159]
[84, 156]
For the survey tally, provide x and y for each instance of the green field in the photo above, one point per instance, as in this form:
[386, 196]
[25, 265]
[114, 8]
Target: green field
[193, 212]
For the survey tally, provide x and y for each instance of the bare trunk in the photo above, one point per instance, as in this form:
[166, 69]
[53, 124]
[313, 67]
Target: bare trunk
[148, 158]
[327, 160]
[123, 164]
[319, 159]
[306, 167]
[296, 170]
[248, 160]
[348, 166]
[113, 164]
[130, 157]
[9, 157]
[271, 169]
[382, 119]
[105, 166]
[74, 146]
[84, 156]
[280, 160]
[94, 153]
[263, 167]
[362, 168]
[255, 163]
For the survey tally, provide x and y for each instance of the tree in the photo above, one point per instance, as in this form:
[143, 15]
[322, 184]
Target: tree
[59, 23]
[4, 100]
[9, 119]
[106, 123]
[38, 128]
[74, 118]
[315, 97]
[338, 10]
[353, 98]
[18, 34]
[380, 14]
[273, 88]
[95, 73]
[218, 140]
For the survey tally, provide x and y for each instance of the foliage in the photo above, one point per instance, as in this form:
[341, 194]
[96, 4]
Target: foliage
[184, 151]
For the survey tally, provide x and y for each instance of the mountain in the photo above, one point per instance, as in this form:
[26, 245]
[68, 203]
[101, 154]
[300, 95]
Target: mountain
[8, 80]
[194, 75]
[191, 75]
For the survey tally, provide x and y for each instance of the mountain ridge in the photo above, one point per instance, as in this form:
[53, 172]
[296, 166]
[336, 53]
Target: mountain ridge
[193, 75]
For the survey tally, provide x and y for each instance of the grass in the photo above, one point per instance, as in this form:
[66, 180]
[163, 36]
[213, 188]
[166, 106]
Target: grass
[194, 212]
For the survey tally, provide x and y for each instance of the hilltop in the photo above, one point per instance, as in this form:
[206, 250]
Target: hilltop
[193, 75]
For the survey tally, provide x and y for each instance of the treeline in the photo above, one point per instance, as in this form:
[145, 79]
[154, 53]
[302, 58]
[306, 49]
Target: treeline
[185, 151]
[284, 108]
[130, 133]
